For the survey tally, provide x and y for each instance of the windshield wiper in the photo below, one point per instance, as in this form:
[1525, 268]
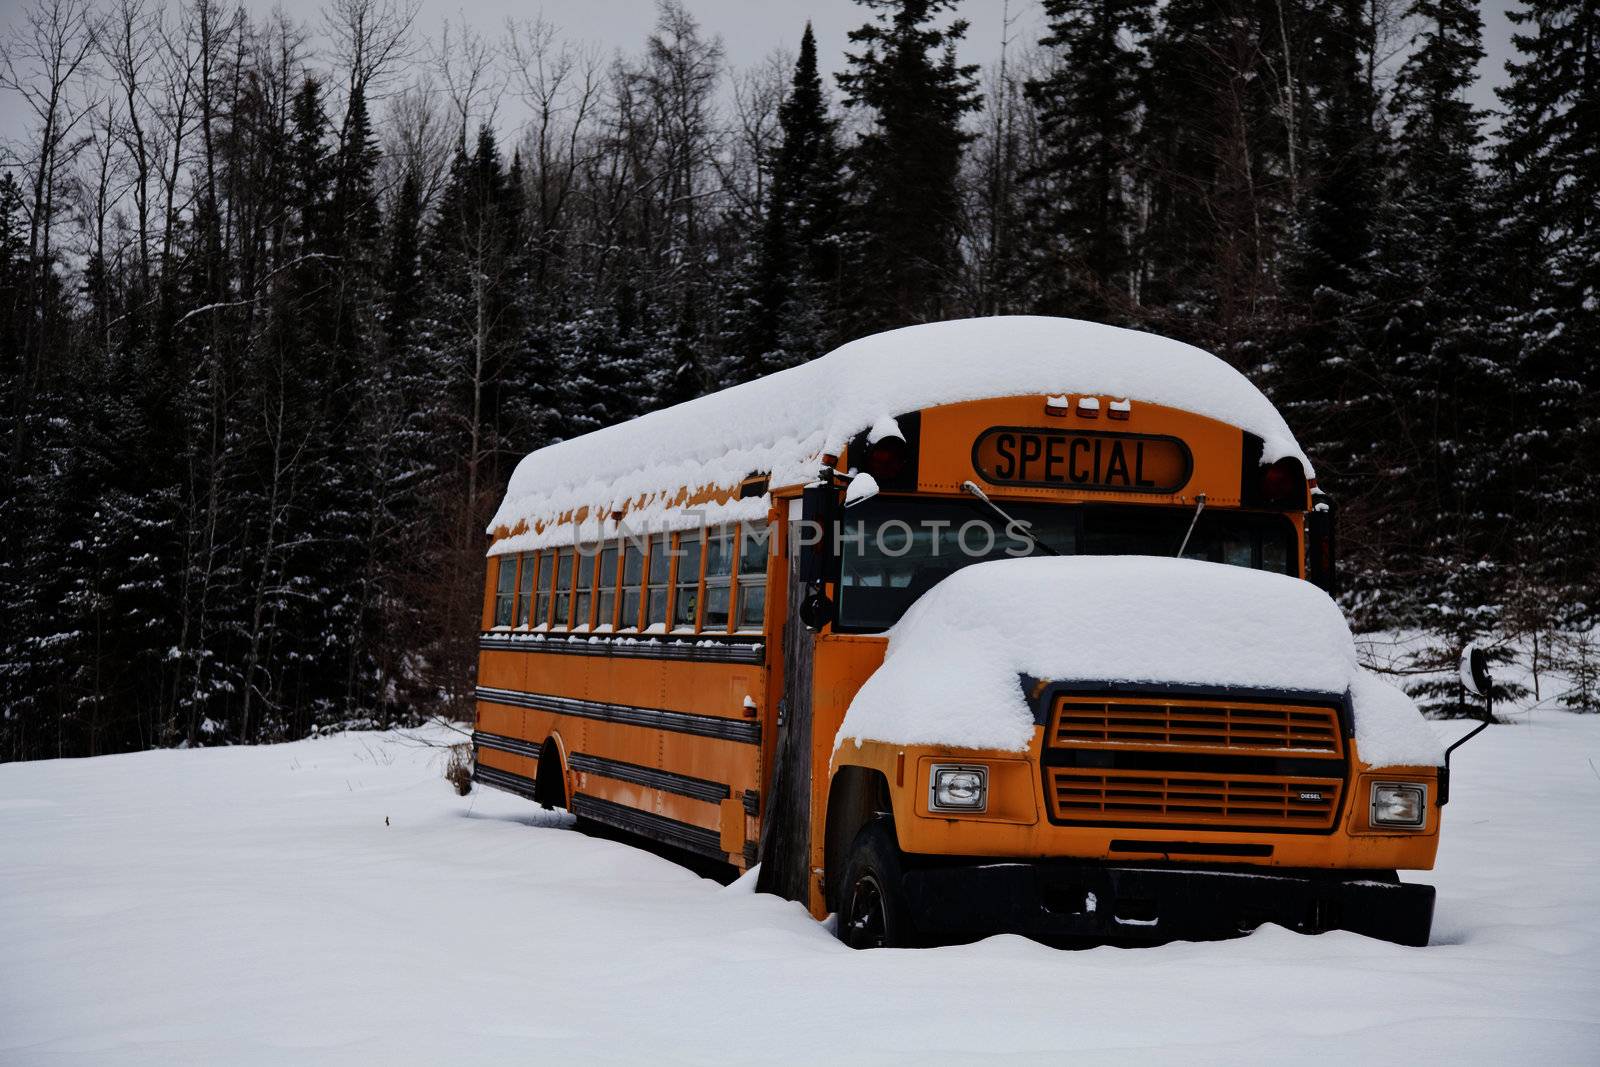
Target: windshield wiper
[1200, 505]
[1022, 527]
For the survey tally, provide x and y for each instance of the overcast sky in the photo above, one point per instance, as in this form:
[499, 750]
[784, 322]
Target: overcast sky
[751, 29]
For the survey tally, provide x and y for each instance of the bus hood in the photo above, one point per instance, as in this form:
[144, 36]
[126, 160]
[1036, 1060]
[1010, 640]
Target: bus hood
[951, 673]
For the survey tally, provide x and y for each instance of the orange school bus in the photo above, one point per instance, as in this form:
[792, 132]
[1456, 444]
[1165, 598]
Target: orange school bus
[680, 612]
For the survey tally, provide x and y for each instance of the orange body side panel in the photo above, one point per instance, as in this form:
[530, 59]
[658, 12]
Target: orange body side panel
[841, 666]
[710, 690]
[526, 766]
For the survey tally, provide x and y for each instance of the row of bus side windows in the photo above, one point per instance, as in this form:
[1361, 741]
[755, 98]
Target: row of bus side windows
[710, 581]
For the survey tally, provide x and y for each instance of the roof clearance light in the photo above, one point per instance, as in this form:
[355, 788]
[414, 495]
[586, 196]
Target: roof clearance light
[1119, 409]
[1057, 405]
[1284, 482]
[1088, 407]
[886, 458]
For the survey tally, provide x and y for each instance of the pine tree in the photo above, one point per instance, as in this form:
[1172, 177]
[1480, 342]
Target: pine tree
[308, 166]
[354, 205]
[1547, 254]
[403, 270]
[1324, 372]
[1088, 105]
[14, 270]
[1216, 173]
[795, 290]
[1443, 373]
[908, 162]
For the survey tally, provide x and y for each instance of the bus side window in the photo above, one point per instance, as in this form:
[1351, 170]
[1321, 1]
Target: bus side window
[525, 586]
[659, 577]
[505, 591]
[547, 577]
[686, 597]
[632, 584]
[563, 597]
[606, 598]
[753, 550]
[720, 545]
[584, 596]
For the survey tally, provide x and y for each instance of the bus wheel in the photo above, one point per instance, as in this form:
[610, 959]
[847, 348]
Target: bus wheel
[873, 911]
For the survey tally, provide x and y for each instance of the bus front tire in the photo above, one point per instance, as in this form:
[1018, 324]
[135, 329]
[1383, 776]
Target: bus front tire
[873, 912]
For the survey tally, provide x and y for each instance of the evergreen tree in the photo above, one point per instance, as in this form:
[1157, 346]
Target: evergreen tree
[907, 162]
[403, 271]
[15, 267]
[1548, 258]
[354, 204]
[1324, 370]
[1443, 375]
[1088, 106]
[795, 290]
[1215, 170]
[308, 167]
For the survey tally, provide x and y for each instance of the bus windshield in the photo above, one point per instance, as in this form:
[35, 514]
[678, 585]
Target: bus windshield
[892, 550]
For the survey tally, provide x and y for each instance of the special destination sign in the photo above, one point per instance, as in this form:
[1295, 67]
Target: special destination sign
[1082, 459]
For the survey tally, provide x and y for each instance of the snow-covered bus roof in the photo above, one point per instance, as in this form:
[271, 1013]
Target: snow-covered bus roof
[780, 424]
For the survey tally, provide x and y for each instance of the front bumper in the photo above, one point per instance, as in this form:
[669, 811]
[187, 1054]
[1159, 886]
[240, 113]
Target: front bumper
[1069, 900]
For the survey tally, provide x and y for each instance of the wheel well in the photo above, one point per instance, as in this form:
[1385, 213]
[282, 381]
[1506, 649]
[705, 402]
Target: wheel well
[856, 796]
[550, 787]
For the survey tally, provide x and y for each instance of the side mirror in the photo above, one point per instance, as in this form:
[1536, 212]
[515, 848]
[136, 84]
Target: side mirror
[1475, 677]
[1475, 670]
[1322, 563]
[818, 507]
[816, 610]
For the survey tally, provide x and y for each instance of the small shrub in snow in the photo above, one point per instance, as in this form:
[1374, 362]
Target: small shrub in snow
[1579, 655]
[458, 768]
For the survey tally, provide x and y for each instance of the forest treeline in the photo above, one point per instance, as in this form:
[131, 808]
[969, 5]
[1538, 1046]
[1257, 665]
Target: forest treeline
[281, 305]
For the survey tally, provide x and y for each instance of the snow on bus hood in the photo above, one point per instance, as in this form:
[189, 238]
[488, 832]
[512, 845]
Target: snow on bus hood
[950, 675]
[782, 423]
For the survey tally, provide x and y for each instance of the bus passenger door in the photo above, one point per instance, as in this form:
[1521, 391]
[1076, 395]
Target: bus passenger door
[786, 822]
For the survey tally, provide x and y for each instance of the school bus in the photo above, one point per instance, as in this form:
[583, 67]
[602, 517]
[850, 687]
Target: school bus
[673, 631]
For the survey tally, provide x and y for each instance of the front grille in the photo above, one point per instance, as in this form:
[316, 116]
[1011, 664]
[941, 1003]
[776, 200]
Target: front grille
[1141, 760]
[1231, 726]
[1133, 798]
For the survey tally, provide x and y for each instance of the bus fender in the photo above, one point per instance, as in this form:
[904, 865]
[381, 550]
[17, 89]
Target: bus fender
[553, 787]
[856, 796]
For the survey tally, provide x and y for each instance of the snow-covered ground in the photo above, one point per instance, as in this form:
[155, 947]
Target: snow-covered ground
[333, 901]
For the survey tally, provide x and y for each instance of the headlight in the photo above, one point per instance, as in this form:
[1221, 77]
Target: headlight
[958, 788]
[1400, 804]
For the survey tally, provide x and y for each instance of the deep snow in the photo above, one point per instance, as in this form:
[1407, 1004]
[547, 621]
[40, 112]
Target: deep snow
[332, 901]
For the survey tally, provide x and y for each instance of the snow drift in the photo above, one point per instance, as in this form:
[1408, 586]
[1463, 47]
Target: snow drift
[950, 676]
[782, 423]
